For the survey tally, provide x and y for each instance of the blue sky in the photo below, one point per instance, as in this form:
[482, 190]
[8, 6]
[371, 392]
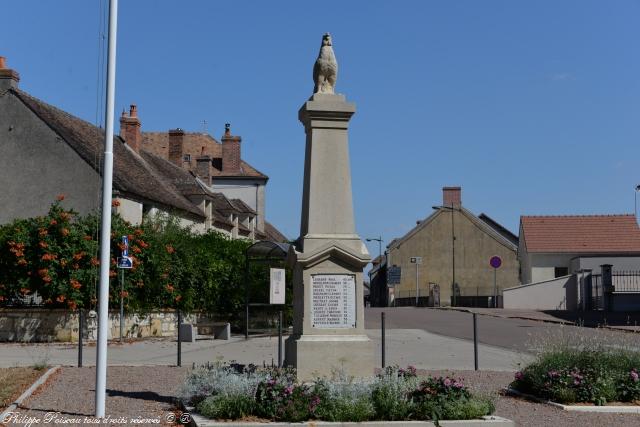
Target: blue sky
[532, 107]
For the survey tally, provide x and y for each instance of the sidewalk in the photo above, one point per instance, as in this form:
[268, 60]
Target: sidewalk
[404, 346]
[624, 321]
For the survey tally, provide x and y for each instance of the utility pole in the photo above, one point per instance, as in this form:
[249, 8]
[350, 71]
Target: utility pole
[453, 257]
[105, 230]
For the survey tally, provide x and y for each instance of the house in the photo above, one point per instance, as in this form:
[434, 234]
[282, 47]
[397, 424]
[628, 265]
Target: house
[451, 250]
[556, 246]
[576, 262]
[45, 151]
[218, 164]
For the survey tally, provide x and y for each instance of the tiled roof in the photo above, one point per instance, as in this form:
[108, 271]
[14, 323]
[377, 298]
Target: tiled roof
[581, 234]
[197, 144]
[132, 175]
[499, 228]
[241, 206]
[273, 234]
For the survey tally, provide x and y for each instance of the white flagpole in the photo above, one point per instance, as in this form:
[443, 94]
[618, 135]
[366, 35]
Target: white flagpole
[105, 229]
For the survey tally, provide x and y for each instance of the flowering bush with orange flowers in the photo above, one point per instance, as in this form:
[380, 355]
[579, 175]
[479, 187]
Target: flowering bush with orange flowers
[56, 257]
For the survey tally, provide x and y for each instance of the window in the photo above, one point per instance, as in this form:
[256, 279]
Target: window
[561, 271]
[186, 157]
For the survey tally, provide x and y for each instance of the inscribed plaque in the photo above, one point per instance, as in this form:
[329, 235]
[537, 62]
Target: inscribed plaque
[333, 298]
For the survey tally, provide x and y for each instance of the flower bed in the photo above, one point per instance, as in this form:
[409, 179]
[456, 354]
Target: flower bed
[235, 392]
[578, 375]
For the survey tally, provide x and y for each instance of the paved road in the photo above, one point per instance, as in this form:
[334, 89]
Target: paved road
[513, 334]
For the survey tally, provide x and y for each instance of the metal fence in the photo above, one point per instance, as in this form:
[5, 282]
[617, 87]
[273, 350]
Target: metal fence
[623, 282]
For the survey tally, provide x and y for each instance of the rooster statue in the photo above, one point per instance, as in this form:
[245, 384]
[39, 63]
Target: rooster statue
[325, 70]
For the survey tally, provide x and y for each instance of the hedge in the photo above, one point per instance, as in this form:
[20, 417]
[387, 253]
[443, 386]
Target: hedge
[57, 256]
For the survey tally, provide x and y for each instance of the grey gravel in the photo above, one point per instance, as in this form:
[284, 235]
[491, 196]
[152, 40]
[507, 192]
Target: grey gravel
[134, 391]
[529, 414]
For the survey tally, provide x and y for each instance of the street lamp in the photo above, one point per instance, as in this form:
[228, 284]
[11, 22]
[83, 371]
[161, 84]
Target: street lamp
[453, 252]
[379, 240]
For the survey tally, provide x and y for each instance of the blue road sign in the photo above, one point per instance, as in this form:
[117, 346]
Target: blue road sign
[394, 275]
[125, 251]
[125, 262]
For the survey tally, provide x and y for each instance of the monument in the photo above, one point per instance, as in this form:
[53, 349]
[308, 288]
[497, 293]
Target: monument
[328, 258]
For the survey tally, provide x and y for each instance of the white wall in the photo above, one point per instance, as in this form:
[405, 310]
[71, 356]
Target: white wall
[556, 294]
[249, 191]
[543, 265]
[196, 226]
[130, 211]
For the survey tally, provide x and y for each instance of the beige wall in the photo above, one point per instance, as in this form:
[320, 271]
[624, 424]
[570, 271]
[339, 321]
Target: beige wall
[473, 249]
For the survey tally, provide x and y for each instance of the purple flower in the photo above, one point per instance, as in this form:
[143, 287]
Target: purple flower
[288, 390]
[447, 382]
[519, 375]
[553, 374]
[634, 375]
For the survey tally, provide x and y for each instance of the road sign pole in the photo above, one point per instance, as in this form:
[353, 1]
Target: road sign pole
[179, 338]
[475, 342]
[495, 262]
[280, 339]
[417, 284]
[382, 335]
[80, 320]
[121, 303]
[495, 288]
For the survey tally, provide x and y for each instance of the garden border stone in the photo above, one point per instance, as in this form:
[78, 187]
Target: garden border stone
[28, 392]
[198, 420]
[621, 409]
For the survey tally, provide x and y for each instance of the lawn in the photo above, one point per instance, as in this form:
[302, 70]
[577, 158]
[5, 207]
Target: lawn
[14, 381]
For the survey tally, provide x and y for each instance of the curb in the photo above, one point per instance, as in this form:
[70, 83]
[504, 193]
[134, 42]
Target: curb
[198, 420]
[24, 396]
[622, 409]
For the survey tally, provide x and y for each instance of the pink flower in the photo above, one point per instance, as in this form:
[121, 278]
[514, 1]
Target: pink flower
[519, 375]
[447, 382]
[457, 384]
[634, 375]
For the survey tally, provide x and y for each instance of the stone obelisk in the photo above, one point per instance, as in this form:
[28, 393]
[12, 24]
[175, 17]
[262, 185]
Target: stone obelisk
[328, 328]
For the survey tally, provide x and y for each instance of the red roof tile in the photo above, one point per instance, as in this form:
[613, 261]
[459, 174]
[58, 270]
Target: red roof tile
[197, 144]
[581, 234]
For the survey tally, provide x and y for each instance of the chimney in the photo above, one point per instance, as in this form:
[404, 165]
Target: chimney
[452, 196]
[230, 151]
[203, 168]
[176, 146]
[130, 128]
[8, 78]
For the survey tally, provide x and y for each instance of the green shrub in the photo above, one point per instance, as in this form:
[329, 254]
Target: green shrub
[228, 407]
[345, 410]
[467, 409]
[390, 400]
[57, 257]
[235, 391]
[593, 374]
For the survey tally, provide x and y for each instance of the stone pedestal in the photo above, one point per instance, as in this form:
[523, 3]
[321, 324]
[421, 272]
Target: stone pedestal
[328, 328]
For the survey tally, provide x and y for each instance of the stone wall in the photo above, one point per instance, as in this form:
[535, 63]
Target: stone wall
[43, 325]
